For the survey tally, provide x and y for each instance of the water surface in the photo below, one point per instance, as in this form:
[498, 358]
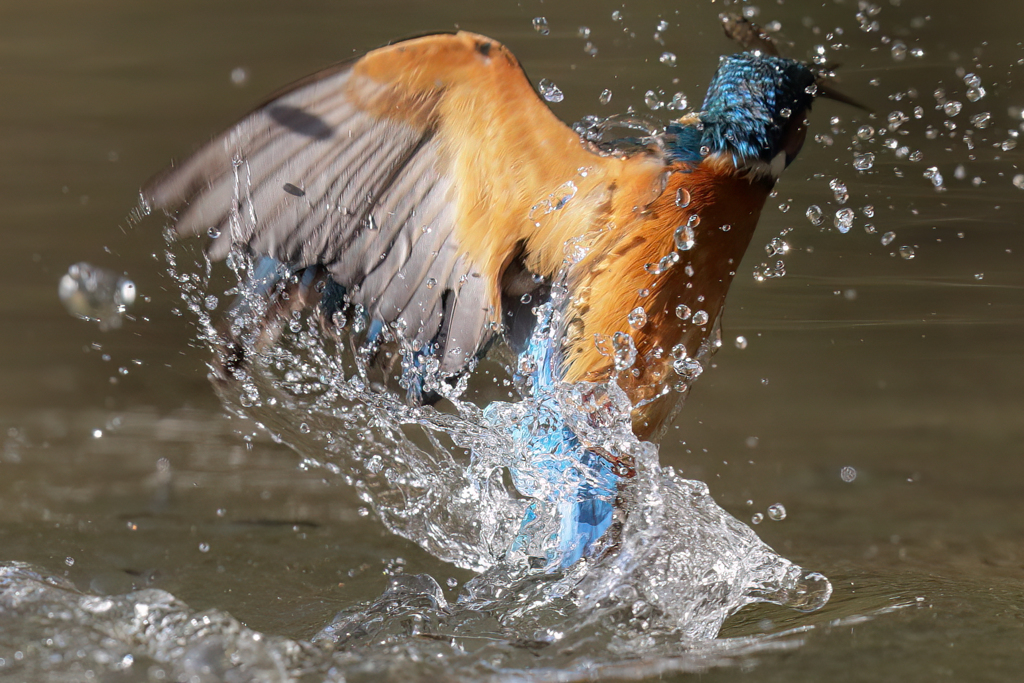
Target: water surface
[120, 469]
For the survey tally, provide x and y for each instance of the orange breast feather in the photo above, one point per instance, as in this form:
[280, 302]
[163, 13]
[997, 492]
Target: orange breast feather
[621, 273]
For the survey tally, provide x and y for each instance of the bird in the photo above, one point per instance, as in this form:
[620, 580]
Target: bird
[425, 198]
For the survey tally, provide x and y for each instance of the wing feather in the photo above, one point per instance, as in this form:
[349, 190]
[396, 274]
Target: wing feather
[407, 175]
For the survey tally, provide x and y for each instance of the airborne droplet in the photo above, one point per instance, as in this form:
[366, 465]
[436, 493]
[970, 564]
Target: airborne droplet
[844, 220]
[637, 318]
[549, 91]
[685, 238]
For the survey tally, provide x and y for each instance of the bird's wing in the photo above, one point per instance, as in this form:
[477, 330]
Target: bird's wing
[408, 174]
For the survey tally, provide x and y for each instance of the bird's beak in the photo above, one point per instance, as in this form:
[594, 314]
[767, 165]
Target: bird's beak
[826, 90]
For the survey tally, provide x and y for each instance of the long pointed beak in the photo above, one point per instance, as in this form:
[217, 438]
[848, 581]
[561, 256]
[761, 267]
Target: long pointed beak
[826, 90]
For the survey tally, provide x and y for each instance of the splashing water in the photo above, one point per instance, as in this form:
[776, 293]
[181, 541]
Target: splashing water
[649, 596]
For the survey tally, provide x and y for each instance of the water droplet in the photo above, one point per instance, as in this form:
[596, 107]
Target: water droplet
[815, 214]
[907, 252]
[651, 100]
[700, 318]
[688, 369]
[952, 108]
[1018, 181]
[777, 247]
[844, 220]
[204, 547]
[757, 518]
[839, 190]
[981, 120]
[932, 174]
[899, 51]
[69, 561]
[683, 198]
[863, 162]
[624, 350]
[979, 276]
[784, 207]
[431, 283]
[975, 94]
[452, 582]
[540, 25]
[741, 342]
[1007, 145]
[304, 428]
[848, 474]
[605, 97]
[683, 312]
[616, 15]
[897, 119]
[637, 318]
[776, 512]
[549, 91]
[583, 32]
[679, 102]
[685, 238]
[667, 58]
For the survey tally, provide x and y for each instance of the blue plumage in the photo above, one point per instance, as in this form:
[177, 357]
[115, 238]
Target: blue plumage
[754, 105]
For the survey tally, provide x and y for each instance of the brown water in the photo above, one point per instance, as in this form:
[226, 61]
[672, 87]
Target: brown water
[908, 371]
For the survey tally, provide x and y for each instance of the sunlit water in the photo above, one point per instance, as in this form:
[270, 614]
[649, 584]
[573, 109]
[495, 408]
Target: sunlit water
[681, 565]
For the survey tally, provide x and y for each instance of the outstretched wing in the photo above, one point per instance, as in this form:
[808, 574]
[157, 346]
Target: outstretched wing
[408, 175]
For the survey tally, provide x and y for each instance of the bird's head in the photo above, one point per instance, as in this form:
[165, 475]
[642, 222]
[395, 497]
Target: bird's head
[754, 114]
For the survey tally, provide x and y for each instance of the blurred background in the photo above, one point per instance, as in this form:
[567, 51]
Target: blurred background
[875, 394]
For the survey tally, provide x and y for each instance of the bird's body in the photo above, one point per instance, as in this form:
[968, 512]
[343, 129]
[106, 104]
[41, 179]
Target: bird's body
[440, 200]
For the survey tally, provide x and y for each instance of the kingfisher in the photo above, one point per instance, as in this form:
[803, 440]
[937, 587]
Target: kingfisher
[424, 200]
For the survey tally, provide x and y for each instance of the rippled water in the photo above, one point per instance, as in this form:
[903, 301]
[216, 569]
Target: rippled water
[144, 535]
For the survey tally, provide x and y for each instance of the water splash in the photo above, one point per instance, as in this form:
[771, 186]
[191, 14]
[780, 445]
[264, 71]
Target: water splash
[673, 567]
